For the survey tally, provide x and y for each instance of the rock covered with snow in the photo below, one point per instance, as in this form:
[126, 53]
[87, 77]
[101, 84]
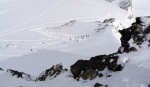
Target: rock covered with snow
[136, 34]
[50, 73]
[89, 69]
[125, 4]
[20, 74]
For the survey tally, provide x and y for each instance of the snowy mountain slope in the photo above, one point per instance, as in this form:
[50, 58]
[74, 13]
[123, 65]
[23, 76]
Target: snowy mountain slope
[36, 34]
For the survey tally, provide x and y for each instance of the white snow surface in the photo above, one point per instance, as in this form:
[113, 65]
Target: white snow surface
[37, 34]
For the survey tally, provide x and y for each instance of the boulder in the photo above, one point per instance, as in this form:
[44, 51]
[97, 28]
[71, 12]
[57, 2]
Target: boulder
[132, 49]
[98, 85]
[80, 65]
[119, 67]
[88, 69]
[100, 75]
[89, 74]
[111, 20]
[51, 73]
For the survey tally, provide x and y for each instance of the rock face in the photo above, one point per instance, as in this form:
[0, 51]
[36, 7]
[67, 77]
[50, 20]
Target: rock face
[147, 30]
[51, 73]
[19, 74]
[88, 69]
[125, 4]
[111, 20]
[135, 32]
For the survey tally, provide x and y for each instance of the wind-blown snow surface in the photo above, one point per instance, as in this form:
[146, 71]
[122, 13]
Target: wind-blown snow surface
[36, 34]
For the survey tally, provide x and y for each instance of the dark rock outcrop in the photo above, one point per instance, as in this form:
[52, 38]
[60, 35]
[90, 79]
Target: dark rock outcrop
[132, 49]
[111, 20]
[51, 73]
[135, 32]
[98, 85]
[119, 68]
[1, 69]
[89, 74]
[125, 4]
[93, 66]
[147, 30]
[126, 36]
[19, 74]
[100, 75]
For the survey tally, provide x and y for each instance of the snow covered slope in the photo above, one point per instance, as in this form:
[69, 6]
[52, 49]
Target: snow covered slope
[37, 34]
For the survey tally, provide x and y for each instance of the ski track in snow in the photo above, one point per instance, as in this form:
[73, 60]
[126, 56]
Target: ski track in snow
[35, 17]
[85, 18]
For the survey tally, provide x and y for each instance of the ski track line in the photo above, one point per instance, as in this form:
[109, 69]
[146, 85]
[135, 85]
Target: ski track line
[35, 17]
[52, 23]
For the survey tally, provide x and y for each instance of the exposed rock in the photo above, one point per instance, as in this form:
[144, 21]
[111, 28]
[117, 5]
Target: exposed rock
[139, 39]
[106, 85]
[111, 20]
[100, 75]
[147, 30]
[98, 85]
[89, 74]
[119, 68]
[125, 4]
[134, 32]
[65, 69]
[78, 67]
[110, 0]
[19, 74]
[132, 49]
[126, 36]
[149, 42]
[108, 76]
[51, 73]
[94, 65]
[1, 69]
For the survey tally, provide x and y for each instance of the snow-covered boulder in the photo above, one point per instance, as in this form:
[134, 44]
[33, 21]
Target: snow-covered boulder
[50, 73]
[125, 4]
[20, 74]
[136, 34]
[111, 20]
